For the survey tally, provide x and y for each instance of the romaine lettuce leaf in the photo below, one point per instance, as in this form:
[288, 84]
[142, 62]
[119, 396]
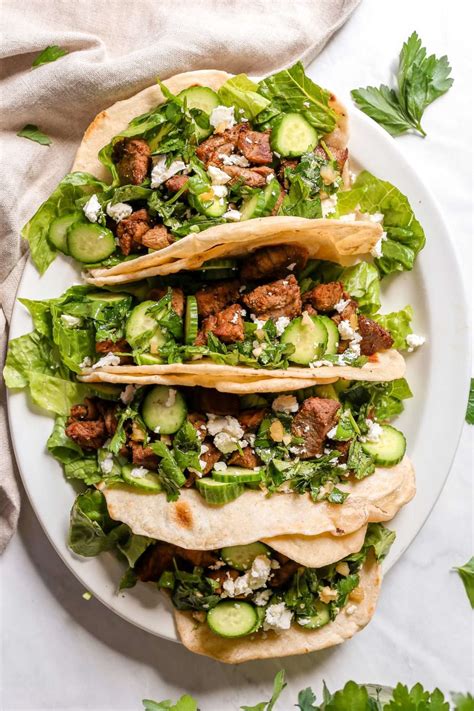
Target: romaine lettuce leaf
[399, 325]
[60, 445]
[61, 202]
[241, 92]
[84, 469]
[91, 530]
[380, 539]
[405, 235]
[133, 547]
[56, 394]
[361, 281]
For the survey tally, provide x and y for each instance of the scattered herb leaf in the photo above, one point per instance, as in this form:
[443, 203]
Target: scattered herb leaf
[470, 405]
[50, 54]
[466, 573]
[33, 133]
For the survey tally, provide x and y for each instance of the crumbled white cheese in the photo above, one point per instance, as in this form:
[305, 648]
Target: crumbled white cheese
[269, 178]
[222, 118]
[157, 429]
[226, 431]
[86, 363]
[92, 209]
[108, 359]
[277, 617]
[71, 321]
[119, 211]
[233, 215]
[107, 463]
[218, 176]
[320, 363]
[127, 394]
[171, 399]
[341, 305]
[290, 267]
[204, 449]
[281, 323]
[332, 432]
[258, 322]
[345, 330]
[285, 403]
[261, 598]
[350, 609]
[374, 432]
[350, 217]
[328, 205]
[160, 173]
[138, 472]
[414, 341]
[220, 191]
[253, 579]
[303, 620]
[374, 217]
[377, 249]
[220, 466]
[234, 159]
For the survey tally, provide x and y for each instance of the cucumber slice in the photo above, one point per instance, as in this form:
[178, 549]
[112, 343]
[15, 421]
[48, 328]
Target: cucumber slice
[253, 206]
[164, 410]
[242, 557]
[271, 195]
[217, 492]
[232, 618]
[333, 335]
[203, 98]
[390, 448]
[309, 336]
[57, 234]
[90, 243]
[321, 617]
[247, 402]
[208, 204]
[292, 136]
[327, 391]
[148, 359]
[238, 475]
[149, 482]
[107, 391]
[139, 322]
[191, 320]
[219, 264]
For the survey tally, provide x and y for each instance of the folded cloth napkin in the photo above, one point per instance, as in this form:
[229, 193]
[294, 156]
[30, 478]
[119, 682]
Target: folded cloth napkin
[116, 48]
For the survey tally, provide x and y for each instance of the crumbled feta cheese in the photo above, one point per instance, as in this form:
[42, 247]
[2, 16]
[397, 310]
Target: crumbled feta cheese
[160, 173]
[119, 211]
[287, 439]
[157, 429]
[220, 466]
[345, 330]
[234, 159]
[233, 215]
[222, 117]
[218, 176]
[303, 621]
[218, 564]
[226, 431]
[414, 341]
[285, 403]
[320, 363]
[341, 305]
[350, 217]
[374, 432]
[377, 249]
[290, 267]
[71, 321]
[277, 617]
[375, 217]
[261, 598]
[220, 191]
[138, 472]
[171, 399]
[86, 363]
[127, 394]
[108, 359]
[328, 205]
[332, 432]
[281, 323]
[92, 209]
[258, 322]
[204, 449]
[253, 579]
[350, 609]
[107, 463]
[269, 178]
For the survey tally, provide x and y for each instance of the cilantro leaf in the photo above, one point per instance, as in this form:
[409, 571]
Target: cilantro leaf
[185, 703]
[420, 79]
[33, 133]
[416, 699]
[306, 699]
[278, 686]
[466, 573]
[470, 405]
[463, 702]
[351, 698]
[50, 54]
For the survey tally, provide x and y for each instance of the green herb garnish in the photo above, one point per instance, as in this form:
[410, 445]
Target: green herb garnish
[33, 133]
[50, 54]
[466, 573]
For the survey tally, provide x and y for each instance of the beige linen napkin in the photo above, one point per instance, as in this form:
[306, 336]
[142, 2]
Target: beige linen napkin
[116, 48]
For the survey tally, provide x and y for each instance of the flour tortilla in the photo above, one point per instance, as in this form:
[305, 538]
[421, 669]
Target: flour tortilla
[347, 240]
[192, 523]
[389, 365]
[318, 551]
[198, 638]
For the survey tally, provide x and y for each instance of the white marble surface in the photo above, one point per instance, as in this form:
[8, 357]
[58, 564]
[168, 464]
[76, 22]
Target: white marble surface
[61, 652]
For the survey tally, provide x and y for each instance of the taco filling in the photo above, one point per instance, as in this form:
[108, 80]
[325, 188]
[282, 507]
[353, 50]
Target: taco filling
[159, 439]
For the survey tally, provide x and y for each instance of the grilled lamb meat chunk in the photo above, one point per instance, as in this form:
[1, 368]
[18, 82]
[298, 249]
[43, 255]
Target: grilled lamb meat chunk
[343, 448]
[282, 575]
[291, 165]
[340, 155]
[227, 325]
[374, 337]
[131, 231]
[88, 434]
[253, 177]
[312, 422]
[133, 159]
[215, 402]
[212, 299]
[248, 459]
[209, 457]
[143, 456]
[250, 420]
[107, 411]
[157, 238]
[273, 262]
[108, 346]
[159, 558]
[177, 297]
[324, 297]
[198, 421]
[280, 298]
[255, 146]
[221, 576]
[210, 150]
[176, 182]
[279, 201]
[87, 410]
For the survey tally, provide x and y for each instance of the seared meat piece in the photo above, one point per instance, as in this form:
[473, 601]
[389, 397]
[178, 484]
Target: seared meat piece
[133, 159]
[349, 312]
[177, 297]
[278, 203]
[251, 420]
[88, 434]
[143, 456]
[374, 337]
[108, 346]
[198, 421]
[253, 177]
[208, 400]
[280, 298]
[157, 238]
[248, 459]
[210, 150]
[312, 422]
[227, 325]
[221, 576]
[273, 262]
[290, 163]
[255, 146]
[210, 457]
[340, 155]
[176, 182]
[324, 297]
[107, 411]
[159, 558]
[343, 448]
[280, 576]
[131, 230]
[212, 299]
[88, 410]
